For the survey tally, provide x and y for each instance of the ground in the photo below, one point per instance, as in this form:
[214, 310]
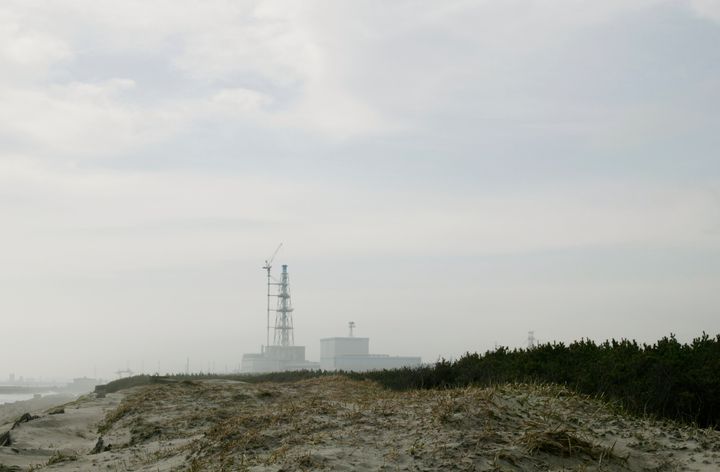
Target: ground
[333, 423]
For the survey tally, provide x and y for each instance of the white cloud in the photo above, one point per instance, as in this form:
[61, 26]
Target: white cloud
[709, 9]
[79, 119]
[274, 42]
[105, 221]
[334, 69]
[26, 50]
[242, 99]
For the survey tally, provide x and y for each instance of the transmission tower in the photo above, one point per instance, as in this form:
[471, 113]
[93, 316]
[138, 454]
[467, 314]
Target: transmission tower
[283, 316]
[531, 340]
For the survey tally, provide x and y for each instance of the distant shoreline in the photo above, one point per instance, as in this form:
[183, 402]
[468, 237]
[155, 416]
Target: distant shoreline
[27, 389]
[11, 410]
[12, 398]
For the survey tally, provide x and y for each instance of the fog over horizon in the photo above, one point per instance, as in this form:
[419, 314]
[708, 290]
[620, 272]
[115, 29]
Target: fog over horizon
[448, 175]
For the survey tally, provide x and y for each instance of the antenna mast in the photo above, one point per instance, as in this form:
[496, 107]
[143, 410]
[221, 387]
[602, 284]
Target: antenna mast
[531, 340]
[267, 267]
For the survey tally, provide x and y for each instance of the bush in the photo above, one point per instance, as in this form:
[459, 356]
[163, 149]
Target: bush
[666, 379]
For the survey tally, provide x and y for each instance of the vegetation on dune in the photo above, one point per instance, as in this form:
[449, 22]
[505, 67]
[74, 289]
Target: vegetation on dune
[333, 421]
[667, 379]
[124, 383]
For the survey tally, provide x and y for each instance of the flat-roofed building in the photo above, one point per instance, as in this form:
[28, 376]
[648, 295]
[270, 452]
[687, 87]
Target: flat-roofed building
[277, 359]
[353, 354]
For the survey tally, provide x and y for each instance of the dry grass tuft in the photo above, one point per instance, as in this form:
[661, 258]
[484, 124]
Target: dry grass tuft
[114, 416]
[59, 457]
[559, 442]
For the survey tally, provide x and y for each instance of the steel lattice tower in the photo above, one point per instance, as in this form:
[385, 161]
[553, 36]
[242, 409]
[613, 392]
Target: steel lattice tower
[283, 316]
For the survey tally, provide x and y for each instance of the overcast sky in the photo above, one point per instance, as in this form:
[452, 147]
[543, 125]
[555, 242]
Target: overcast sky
[447, 174]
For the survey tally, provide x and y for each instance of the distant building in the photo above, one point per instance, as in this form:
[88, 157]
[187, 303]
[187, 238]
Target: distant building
[283, 355]
[277, 359]
[353, 354]
[347, 353]
[82, 385]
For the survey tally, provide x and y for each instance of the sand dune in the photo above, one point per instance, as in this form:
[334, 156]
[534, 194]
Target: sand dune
[338, 424]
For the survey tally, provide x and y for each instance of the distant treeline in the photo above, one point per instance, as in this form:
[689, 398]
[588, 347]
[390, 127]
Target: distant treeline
[666, 379]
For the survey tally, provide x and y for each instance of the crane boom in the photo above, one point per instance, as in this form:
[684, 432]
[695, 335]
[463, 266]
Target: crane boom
[267, 267]
[272, 258]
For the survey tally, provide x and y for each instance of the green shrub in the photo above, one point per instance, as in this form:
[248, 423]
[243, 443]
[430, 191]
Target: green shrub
[666, 379]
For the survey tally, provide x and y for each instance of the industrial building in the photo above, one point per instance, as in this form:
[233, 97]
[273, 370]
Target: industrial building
[353, 354]
[277, 359]
[342, 353]
[283, 355]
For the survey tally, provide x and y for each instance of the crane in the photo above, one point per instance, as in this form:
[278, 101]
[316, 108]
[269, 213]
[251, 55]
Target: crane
[267, 267]
[268, 262]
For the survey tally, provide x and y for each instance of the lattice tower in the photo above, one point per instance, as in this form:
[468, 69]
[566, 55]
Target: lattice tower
[283, 313]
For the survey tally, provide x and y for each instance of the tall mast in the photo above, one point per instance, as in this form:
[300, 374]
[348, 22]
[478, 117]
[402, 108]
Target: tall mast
[283, 317]
[267, 267]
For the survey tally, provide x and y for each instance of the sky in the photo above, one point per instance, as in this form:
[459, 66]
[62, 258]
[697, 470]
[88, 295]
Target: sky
[449, 175]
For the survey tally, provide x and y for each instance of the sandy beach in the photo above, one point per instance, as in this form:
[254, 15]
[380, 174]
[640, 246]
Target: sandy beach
[338, 424]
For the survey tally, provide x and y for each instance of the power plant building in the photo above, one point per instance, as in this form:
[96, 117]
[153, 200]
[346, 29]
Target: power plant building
[283, 355]
[353, 354]
[342, 353]
[277, 359]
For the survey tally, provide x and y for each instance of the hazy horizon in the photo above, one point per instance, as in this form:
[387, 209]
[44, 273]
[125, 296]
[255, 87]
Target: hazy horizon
[448, 175]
